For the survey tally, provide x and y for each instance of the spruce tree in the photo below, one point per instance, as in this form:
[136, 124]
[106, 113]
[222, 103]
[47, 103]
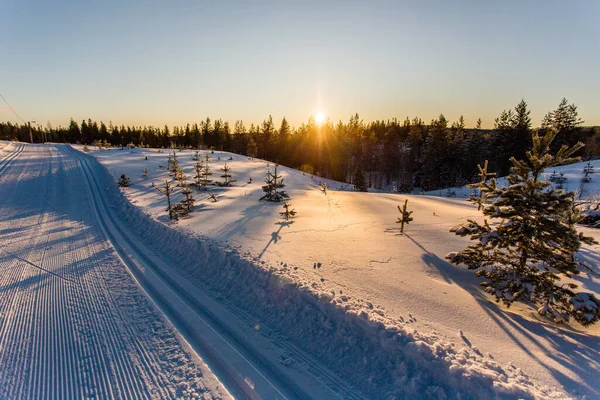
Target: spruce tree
[527, 255]
[167, 190]
[199, 168]
[226, 175]
[359, 180]
[587, 171]
[207, 172]
[187, 202]
[273, 187]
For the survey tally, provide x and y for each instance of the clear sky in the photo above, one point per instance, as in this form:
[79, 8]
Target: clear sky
[143, 62]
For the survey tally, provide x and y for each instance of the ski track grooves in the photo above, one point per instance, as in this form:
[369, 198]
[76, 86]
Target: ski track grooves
[73, 332]
[339, 386]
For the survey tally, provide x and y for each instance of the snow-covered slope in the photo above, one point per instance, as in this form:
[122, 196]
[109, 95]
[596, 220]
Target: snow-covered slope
[345, 248]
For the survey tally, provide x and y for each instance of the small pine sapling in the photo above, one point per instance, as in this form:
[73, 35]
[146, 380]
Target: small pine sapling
[405, 217]
[287, 213]
[174, 163]
[124, 181]
[212, 197]
[207, 171]
[529, 253]
[86, 149]
[167, 190]
[273, 186]
[145, 173]
[587, 171]
[560, 180]
[226, 176]
[249, 179]
[199, 168]
[187, 202]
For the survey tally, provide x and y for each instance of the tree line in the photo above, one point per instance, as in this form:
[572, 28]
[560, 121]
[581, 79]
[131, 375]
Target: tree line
[392, 153]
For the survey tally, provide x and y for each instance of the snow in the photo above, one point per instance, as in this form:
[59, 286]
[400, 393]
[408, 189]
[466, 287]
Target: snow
[73, 323]
[345, 286]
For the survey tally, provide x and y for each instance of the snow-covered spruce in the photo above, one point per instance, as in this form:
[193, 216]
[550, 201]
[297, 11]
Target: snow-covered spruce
[528, 255]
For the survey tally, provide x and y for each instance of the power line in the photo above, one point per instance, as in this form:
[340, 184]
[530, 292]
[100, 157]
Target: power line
[12, 109]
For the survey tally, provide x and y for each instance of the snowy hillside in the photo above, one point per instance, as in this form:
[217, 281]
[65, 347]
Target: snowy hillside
[573, 173]
[425, 321]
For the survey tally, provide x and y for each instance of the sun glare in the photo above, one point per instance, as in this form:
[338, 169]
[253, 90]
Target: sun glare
[320, 118]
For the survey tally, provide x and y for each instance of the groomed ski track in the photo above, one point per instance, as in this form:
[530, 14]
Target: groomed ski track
[251, 362]
[73, 324]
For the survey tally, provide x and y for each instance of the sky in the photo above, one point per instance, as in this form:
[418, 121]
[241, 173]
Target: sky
[173, 62]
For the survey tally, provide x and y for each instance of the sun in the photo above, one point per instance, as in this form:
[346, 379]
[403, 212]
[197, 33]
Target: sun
[320, 117]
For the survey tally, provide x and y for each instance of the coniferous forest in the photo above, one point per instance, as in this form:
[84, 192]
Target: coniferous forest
[405, 154]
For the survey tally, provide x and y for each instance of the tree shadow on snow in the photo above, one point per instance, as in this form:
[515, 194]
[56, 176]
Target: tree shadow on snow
[574, 350]
[275, 235]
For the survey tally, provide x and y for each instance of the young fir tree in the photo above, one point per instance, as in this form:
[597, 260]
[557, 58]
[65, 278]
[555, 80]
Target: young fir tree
[405, 216]
[587, 171]
[167, 190]
[287, 213]
[273, 187]
[560, 180]
[212, 197]
[359, 180]
[187, 202]
[226, 175]
[199, 168]
[528, 253]
[207, 171]
[174, 163]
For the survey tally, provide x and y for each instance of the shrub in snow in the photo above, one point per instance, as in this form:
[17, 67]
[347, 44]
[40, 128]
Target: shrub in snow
[273, 187]
[405, 216]
[86, 148]
[527, 254]
[124, 181]
[212, 197]
[287, 213]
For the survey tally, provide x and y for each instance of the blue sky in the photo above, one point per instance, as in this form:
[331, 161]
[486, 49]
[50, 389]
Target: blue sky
[142, 62]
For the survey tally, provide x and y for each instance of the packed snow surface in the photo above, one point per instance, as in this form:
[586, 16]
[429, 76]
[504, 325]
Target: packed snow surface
[392, 316]
[73, 323]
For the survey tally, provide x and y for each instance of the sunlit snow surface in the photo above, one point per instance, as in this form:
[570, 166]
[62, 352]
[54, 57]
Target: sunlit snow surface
[346, 248]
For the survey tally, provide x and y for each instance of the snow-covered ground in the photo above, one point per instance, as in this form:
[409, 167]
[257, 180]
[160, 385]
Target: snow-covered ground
[73, 323]
[385, 300]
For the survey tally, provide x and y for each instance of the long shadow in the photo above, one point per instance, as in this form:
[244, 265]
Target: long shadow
[571, 349]
[260, 210]
[275, 235]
